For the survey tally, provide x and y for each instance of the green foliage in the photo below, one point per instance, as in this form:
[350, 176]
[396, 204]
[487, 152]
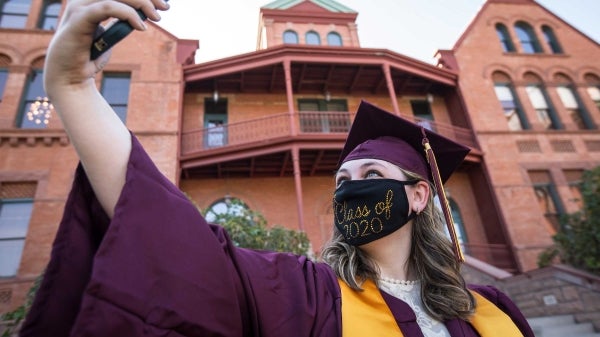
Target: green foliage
[578, 241]
[249, 229]
[14, 318]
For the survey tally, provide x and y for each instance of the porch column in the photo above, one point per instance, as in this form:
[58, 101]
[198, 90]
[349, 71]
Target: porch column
[298, 183]
[390, 85]
[287, 68]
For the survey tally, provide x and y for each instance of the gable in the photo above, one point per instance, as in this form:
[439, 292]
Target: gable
[309, 6]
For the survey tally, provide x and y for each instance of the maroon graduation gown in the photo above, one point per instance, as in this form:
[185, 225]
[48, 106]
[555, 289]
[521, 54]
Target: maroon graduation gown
[158, 269]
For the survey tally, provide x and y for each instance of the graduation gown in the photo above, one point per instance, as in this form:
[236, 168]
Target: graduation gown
[158, 269]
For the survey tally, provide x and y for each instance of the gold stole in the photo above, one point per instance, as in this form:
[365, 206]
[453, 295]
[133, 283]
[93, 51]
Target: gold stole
[366, 314]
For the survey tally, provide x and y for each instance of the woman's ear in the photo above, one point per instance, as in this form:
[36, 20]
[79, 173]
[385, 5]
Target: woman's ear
[419, 196]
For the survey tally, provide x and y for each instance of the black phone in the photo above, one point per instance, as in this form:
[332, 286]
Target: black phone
[115, 33]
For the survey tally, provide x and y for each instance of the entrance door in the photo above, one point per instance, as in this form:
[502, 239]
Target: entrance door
[215, 122]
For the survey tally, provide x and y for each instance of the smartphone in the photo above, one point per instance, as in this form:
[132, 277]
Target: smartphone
[115, 33]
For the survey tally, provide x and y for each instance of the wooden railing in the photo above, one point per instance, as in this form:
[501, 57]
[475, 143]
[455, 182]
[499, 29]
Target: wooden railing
[305, 122]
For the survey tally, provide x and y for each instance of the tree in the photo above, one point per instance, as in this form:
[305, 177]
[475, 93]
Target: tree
[249, 229]
[578, 241]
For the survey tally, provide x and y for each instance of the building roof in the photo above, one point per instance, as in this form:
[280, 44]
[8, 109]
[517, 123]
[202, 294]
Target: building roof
[330, 5]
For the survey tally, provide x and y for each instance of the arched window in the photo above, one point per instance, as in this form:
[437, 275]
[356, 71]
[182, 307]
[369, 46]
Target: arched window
[290, 36]
[593, 88]
[539, 99]
[49, 17]
[334, 39]
[313, 38]
[551, 40]
[4, 63]
[13, 13]
[571, 101]
[36, 109]
[223, 207]
[513, 112]
[505, 40]
[529, 42]
[458, 221]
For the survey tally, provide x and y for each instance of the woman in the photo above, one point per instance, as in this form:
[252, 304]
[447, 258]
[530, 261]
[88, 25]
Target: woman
[133, 257]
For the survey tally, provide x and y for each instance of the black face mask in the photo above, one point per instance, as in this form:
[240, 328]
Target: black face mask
[367, 210]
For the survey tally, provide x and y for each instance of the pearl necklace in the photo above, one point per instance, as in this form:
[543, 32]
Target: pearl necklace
[396, 281]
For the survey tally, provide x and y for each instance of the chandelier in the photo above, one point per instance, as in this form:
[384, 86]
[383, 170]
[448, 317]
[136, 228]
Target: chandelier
[40, 111]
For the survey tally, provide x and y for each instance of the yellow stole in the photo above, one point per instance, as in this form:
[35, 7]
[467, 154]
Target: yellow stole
[366, 314]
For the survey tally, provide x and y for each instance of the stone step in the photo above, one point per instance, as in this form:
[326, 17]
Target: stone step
[560, 326]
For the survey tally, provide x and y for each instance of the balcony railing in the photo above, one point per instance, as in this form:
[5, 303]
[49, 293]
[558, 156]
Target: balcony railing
[305, 122]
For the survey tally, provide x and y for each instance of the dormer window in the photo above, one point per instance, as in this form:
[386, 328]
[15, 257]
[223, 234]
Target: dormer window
[290, 36]
[334, 39]
[313, 38]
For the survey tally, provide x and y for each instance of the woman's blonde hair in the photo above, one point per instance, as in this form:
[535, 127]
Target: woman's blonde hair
[432, 261]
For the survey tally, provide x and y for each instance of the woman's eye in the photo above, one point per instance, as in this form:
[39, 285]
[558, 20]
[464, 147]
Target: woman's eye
[339, 181]
[373, 174]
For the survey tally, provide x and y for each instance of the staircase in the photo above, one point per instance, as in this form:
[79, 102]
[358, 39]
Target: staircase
[560, 326]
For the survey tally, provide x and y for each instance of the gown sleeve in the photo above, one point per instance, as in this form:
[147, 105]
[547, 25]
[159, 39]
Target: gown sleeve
[158, 269]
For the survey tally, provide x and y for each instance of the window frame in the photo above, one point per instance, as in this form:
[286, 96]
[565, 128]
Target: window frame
[527, 38]
[518, 108]
[16, 14]
[311, 34]
[4, 201]
[290, 33]
[505, 39]
[117, 106]
[331, 36]
[551, 40]
[34, 82]
[46, 17]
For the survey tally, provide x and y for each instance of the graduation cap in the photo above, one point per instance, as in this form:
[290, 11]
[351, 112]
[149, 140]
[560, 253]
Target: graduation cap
[378, 134]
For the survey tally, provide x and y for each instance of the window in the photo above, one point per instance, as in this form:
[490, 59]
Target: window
[529, 42]
[422, 111]
[16, 204]
[225, 206]
[115, 89]
[578, 114]
[547, 196]
[36, 110]
[505, 40]
[322, 115]
[574, 180]
[593, 89]
[540, 102]
[13, 13]
[515, 118]
[290, 36]
[313, 38]
[49, 17]
[334, 39]
[215, 122]
[459, 224]
[3, 78]
[551, 40]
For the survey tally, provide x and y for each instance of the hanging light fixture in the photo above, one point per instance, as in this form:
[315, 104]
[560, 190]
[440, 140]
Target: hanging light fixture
[40, 111]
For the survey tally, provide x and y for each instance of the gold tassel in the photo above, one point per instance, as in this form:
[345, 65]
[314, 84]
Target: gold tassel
[437, 181]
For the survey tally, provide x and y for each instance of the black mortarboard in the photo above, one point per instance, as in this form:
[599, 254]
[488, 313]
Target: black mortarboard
[378, 134]
[373, 129]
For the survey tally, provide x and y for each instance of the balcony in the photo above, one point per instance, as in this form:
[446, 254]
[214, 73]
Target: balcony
[265, 146]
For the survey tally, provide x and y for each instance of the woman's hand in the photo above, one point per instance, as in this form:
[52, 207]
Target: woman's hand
[68, 60]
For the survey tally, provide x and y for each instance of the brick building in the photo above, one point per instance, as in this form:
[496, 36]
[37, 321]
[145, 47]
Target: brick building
[267, 127]
[531, 84]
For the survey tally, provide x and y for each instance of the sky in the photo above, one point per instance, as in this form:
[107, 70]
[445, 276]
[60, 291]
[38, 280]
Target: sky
[414, 28]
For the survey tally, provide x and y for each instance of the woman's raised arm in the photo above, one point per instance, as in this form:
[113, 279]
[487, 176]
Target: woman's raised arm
[101, 140]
